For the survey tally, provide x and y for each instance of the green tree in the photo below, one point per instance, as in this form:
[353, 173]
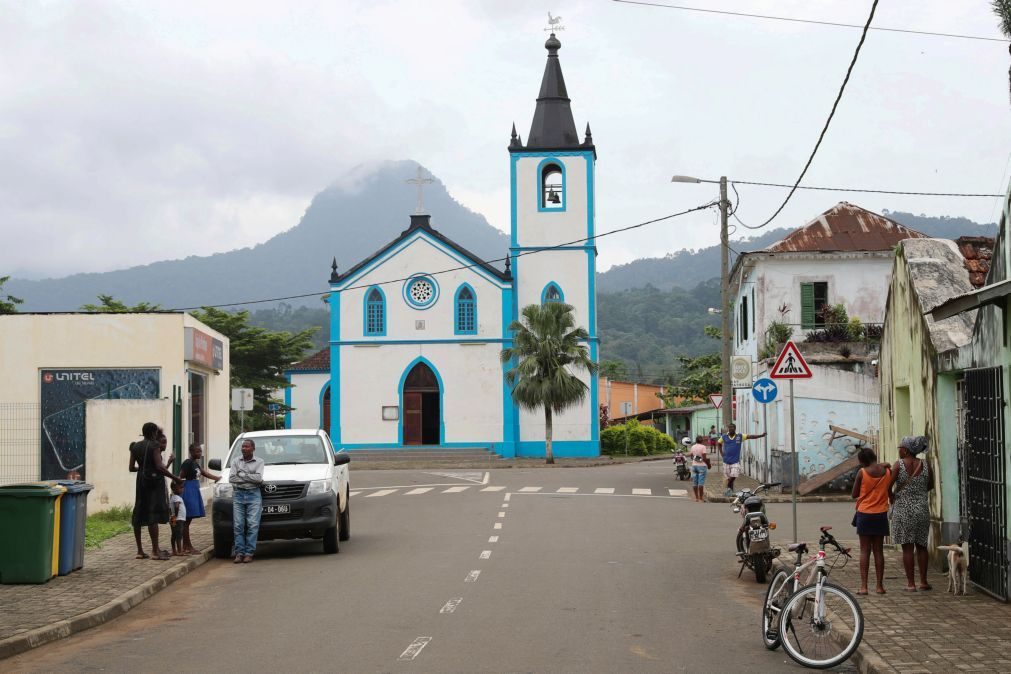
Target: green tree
[110, 305]
[258, 357]
[613, 369]
[546, 344]
[8, 304]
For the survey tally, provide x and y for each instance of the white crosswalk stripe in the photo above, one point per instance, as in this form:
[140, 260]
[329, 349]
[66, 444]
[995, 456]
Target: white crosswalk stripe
[493, 489]
[354, 493]
[455, 490]
[567, 490]
[678, 492]
[642, 492]
[381, 492]
[419, 490]
[530, 490]
[604, 490]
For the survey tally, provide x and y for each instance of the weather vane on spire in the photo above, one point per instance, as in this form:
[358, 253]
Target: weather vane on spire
[554, 24]
[420, 180]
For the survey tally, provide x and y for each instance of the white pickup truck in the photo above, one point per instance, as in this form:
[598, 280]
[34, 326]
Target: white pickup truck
[306, 489]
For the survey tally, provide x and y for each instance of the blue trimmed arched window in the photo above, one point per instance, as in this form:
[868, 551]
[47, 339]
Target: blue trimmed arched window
[551, 185]
[375, 312]
[465, 311]
[552, 293]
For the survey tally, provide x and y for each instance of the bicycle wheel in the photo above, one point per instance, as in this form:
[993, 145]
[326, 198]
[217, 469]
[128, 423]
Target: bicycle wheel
[821, 637]
[775, 598]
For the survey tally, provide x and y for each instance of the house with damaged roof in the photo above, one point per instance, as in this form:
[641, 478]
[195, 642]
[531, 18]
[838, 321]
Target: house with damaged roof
[945, 374]
[824, 286]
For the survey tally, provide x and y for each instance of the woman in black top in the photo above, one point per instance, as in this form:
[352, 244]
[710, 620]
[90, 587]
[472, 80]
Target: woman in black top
[151, 506]
[191, 470]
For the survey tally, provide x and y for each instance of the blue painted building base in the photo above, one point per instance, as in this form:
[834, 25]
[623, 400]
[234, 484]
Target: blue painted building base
[569, 449]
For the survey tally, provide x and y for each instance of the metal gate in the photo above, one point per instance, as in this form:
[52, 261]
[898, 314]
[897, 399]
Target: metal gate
[985, 465]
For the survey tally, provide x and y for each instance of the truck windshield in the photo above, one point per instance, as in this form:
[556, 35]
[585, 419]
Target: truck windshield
[284, 450]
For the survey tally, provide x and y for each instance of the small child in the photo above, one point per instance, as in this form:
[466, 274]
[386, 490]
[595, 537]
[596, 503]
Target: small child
[178, 509]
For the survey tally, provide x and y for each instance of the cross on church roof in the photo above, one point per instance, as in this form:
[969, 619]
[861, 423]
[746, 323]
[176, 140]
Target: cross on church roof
[420, 180]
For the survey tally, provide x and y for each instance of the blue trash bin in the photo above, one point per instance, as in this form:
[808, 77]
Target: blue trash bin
[73, 516]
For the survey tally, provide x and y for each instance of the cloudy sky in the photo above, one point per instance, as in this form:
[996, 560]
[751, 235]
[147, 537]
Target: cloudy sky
[133, 132]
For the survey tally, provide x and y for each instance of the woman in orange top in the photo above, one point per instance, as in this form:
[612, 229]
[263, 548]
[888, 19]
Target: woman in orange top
[871, 519]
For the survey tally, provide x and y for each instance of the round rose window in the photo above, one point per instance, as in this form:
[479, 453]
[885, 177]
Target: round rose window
[421, 292]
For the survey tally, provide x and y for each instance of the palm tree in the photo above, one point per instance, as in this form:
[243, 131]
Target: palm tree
[545, 343]
[1002, 8]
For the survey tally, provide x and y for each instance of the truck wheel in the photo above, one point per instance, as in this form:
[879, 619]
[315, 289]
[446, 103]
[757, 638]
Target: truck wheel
[222, 546]
[331, 546]
[345, 522]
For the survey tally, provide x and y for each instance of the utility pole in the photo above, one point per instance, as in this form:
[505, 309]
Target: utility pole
[727, 390]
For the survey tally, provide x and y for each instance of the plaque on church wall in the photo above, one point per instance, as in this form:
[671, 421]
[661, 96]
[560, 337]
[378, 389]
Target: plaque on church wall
[391, 412]
[419, 325]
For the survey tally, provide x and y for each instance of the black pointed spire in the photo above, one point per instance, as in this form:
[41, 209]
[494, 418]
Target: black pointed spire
[553, 126]
[514, 141]
[589, 136]
[508, 269]
[334, 276]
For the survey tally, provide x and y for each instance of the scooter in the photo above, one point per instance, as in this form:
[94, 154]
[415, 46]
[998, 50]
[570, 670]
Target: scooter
[681, 462]
[753, 546]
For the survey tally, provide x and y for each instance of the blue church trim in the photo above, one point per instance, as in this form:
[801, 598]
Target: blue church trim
[322, 394]
[541, 208]
[287, 402]
[549, 286]
[409, 283]
[335, 370]
[510, 415]
[442, 394]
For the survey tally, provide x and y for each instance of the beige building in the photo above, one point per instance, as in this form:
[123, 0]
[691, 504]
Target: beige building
[77, 387]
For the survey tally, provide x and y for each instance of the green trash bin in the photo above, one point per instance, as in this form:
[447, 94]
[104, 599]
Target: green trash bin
[29, 532]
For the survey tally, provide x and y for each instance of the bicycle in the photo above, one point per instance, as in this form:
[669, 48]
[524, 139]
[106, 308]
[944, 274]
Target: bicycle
[812, 618]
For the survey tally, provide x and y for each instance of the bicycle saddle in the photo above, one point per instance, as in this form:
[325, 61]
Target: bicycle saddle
[797, 547]
[824, 530]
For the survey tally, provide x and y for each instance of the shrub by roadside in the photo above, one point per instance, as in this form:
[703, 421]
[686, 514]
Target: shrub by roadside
[639, 440]
[106, 524]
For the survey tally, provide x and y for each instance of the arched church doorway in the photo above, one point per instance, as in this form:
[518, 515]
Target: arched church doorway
[421, 406]
[326, 410]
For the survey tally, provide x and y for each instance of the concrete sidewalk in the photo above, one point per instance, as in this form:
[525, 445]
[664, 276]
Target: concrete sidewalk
[935, 631]
[110, 584]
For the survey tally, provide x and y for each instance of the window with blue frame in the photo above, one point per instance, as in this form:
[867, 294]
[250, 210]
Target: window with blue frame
[552, 186]
[375, 313]
[466, 311]
[552, 293]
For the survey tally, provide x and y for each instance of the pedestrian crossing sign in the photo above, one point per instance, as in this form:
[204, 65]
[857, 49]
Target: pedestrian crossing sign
[790, 364]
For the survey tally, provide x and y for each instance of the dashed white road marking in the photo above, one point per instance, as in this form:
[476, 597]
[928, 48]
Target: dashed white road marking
[485, 554]
[677, 492]
[642, 492]
[472, 576]
[415, 648]
[451, 605]
[475, 476]
[354, 493]
[529, 490]
[381, 492]
[506, 497]
[567, 490]
[419, 490]
[493, 539]
[455, 490]
[493, 489]
[505, 505]
[501, 514]
[604, 490]
[498, 525]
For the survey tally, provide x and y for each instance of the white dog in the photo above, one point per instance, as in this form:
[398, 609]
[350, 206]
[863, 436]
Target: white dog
[958, 565]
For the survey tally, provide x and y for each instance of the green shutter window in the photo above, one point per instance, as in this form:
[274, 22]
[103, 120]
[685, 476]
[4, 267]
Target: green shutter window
[807, 313]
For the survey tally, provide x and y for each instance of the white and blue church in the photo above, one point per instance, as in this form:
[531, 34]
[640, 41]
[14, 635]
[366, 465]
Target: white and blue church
[417, 328]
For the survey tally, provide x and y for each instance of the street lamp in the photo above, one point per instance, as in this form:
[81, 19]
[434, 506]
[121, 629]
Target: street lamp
[727, 391]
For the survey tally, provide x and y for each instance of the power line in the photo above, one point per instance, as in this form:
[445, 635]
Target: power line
[791, 19]
[869, 191]
[824, 130]
[317, 293]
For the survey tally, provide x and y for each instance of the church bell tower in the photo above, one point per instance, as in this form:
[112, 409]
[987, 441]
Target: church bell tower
[552, 203]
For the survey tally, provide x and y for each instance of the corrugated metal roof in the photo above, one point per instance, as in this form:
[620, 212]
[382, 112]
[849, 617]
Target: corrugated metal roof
[845, 228]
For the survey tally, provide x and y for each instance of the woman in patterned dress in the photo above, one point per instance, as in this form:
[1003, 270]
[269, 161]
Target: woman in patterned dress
[910, 509]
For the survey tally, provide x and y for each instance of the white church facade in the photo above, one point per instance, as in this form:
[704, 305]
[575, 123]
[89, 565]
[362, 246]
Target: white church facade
[417, 328]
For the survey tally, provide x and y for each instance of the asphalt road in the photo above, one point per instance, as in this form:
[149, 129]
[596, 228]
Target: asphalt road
[473, 580]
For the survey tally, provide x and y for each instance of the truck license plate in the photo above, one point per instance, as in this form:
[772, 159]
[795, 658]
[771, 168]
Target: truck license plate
[759, 534]
[277, 509]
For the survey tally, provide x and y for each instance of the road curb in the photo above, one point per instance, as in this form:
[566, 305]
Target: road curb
[787, 499]
[101, 614]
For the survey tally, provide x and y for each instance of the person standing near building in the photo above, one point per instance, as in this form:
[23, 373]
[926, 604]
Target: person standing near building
[191, 470]
[700, 467]
[910, 508]
[246, 476]
[151, 504]
[730, 449]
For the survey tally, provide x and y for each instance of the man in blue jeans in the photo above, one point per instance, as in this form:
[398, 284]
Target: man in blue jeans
[246, 476]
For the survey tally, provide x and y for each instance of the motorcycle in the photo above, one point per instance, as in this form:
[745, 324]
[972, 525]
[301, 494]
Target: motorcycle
[681, 461]
[753, 546]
